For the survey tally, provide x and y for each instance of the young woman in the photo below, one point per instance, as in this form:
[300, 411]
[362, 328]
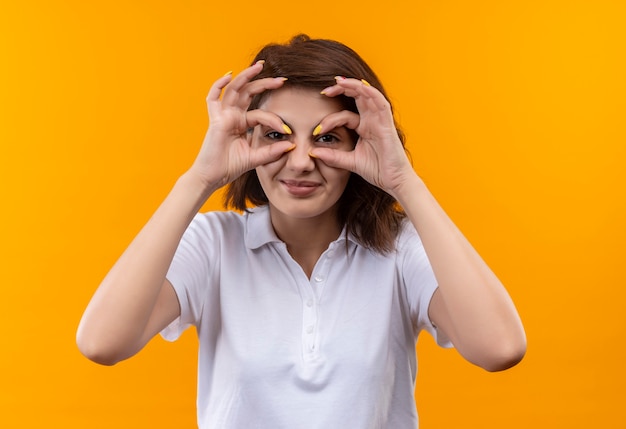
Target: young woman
[308, 305]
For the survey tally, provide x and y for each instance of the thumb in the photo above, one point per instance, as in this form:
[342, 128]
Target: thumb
[270, 153]
[334, 158]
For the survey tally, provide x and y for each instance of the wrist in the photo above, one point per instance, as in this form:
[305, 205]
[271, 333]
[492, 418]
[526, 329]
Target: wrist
[407, 186]
[195, 188]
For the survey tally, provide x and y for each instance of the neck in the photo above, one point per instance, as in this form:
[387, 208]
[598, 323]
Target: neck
[306, 239]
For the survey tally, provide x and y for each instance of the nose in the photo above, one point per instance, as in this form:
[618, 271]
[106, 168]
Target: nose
[298, 159]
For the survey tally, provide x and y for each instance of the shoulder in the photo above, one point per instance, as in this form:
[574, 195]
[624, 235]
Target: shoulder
[218, 218]
[407, 238]
[214, 225]
[411, 254]
[252, 228]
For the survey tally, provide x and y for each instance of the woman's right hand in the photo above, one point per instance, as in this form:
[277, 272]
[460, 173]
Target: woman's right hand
[226, 152]
[135, 300]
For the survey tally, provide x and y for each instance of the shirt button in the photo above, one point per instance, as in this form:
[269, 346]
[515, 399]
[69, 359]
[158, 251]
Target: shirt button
[319, 279]
[309, 329]
[309, 303]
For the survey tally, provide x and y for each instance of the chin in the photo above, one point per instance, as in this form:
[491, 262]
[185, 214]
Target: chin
[303, 210]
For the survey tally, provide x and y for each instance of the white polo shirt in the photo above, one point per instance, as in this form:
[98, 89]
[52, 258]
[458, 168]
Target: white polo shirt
[280, 350]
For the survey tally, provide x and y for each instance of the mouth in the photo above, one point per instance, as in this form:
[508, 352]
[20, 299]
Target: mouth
[300, 188]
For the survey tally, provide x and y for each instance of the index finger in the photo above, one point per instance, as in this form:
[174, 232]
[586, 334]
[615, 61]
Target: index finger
[364, 94]
[228, 84]
[242, 97]
[344, 118]
[246, 75]
[217, 87]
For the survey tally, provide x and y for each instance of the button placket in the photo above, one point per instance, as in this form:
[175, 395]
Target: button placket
[310, 325]
[320, 273]
[309, 290]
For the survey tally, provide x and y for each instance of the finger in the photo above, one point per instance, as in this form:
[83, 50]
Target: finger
[268, 119]
[265, 154]
[344, 118]
[362, 104]
[335, 158]
[235, 83]
[241, 90]
[243, 97]
[246, 75]
[335, 90]
[217, 87]
[365, 95]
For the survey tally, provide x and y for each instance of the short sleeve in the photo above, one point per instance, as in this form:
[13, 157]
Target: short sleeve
[190, 274]
[420, 282]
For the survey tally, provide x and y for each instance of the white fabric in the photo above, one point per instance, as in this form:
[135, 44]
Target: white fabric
[280, 350]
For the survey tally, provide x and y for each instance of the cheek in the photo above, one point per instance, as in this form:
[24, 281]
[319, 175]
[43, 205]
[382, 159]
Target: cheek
[261, 173]
[267, 171]
[339, 177]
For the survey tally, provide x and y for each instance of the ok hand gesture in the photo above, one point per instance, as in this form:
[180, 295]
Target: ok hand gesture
[226, 152]
[379, 155]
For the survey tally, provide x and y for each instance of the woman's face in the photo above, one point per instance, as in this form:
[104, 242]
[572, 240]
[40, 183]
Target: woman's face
[296, 185]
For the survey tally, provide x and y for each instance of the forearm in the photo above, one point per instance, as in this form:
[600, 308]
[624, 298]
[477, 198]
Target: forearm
[116, 318]
[474, 308]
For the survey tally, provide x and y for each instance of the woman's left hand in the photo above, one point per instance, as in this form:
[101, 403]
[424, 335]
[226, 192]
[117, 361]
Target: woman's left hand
[379, 156]
[471, 307]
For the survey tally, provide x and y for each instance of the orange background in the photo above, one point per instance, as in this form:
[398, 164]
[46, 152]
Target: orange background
[514, 113]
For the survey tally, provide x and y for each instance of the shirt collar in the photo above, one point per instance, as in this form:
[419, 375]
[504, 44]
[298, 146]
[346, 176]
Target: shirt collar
[259, 230]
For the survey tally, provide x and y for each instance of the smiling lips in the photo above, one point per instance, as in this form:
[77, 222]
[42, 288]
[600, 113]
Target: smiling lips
[300, 188]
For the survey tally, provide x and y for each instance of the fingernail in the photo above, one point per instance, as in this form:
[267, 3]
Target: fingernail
[260, 62]
[312, 155]
[366, 83]
[340, 77]
[323, 91]
[228, 73]
[286, 129]
[317, 130]
[289, 149]
[282, 78]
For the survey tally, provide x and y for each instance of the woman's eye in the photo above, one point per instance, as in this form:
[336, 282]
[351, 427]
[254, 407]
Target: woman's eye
[327, 139]
[275, 135]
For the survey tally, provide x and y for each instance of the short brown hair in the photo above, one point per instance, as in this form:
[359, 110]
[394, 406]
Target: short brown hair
[369, 213]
